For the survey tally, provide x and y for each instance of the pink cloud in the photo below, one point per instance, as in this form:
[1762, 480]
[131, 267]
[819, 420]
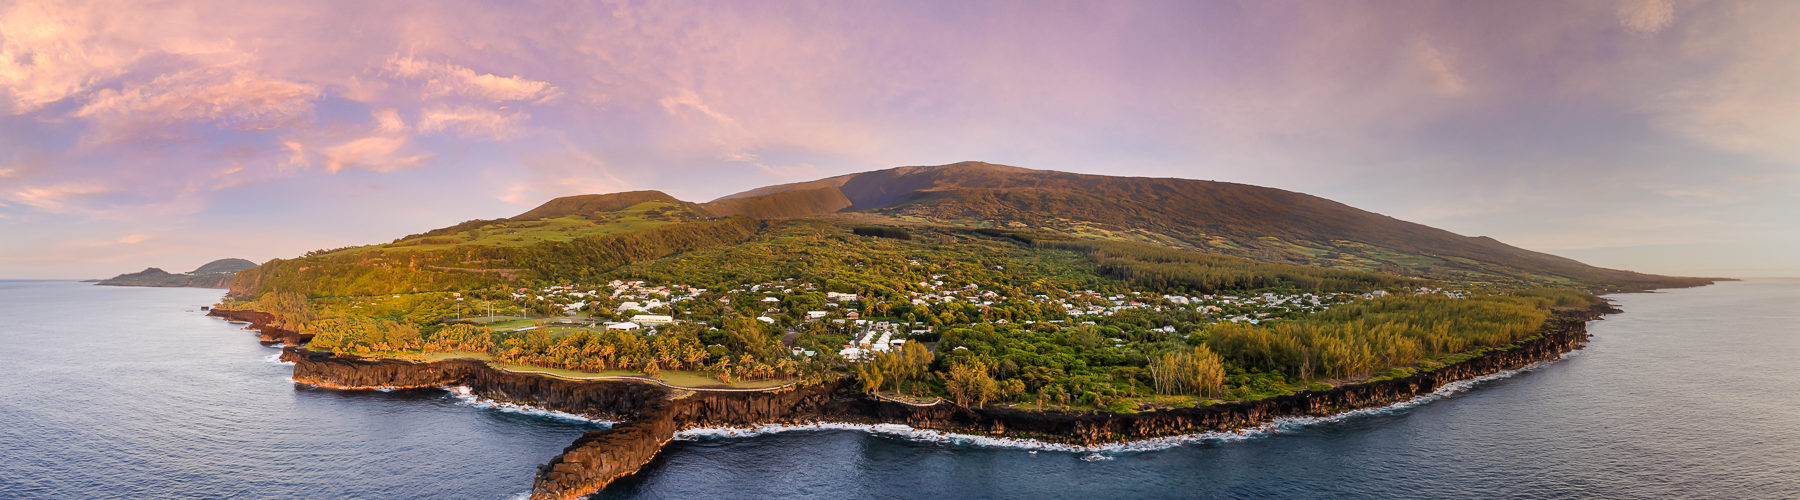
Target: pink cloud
[1646, 16]
[471, 121]
[55, 198]
[234, 99]
[376, 153]
[447, 79]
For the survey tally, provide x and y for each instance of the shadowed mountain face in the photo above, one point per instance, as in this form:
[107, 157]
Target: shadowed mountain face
[1236, 219]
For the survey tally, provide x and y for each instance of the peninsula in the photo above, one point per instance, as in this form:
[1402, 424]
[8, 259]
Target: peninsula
[215, 274]
[968, 297]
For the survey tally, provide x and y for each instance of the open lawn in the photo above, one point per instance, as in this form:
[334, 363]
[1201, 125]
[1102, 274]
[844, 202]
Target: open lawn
[678, 378]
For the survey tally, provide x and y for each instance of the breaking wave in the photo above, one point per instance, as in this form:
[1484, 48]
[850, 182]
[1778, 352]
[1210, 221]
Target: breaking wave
[1105, 451]
[468, 397]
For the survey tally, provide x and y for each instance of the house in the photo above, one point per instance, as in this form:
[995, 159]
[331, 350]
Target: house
[852, 315]
[652, 319]
[815, 314]
[766, 319]
[622, 326]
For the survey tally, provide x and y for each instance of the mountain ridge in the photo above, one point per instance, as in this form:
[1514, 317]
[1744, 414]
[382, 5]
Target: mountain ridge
[215, 274]
[1258, 222]
[590, 236]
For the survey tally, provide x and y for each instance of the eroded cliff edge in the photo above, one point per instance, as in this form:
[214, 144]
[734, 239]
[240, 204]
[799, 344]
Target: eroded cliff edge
[263, 324]
[653, 414]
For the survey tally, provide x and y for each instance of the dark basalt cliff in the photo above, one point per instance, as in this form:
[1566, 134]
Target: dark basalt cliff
[655, 413]
[262, 323]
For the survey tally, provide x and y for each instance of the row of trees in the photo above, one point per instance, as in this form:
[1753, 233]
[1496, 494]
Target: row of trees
[911, 363]
[1364, 338]
[1195, 372]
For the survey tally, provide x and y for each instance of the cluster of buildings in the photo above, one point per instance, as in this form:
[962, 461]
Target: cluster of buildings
[648, 305]
[877, 338]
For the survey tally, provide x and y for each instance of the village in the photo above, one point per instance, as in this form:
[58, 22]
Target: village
[794, 307]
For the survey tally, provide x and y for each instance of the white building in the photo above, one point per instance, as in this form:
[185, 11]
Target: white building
[622, 326]
[652, 319]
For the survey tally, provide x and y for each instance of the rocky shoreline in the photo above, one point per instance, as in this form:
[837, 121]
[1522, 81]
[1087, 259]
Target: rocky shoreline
[260, 322]
[652, 414]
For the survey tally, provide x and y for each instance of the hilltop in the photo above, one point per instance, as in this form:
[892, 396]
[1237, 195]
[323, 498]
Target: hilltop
[1255, 222]
[603, 235]
[215, 274]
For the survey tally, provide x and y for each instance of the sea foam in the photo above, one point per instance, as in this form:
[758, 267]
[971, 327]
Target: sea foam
[1105, 451]
[468, 397]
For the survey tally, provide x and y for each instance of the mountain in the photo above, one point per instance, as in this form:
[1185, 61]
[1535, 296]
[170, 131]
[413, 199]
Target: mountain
[224, 266]
[1255, 222]
[592, 204]
[215, 274]
[1178, 234]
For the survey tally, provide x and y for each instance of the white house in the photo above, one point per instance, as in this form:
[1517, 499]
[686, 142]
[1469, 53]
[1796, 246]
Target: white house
[652, 319]
[622, 326]
[815, 314]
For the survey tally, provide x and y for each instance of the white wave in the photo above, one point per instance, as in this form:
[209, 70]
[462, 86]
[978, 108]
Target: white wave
[276, 358]
[1105, 451]
[468, 397]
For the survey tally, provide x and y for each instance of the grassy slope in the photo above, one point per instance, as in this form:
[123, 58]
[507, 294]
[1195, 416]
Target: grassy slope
[1247, 221]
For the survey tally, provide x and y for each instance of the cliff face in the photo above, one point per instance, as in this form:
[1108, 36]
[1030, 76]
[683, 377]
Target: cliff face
[657, 413]
[263, 324]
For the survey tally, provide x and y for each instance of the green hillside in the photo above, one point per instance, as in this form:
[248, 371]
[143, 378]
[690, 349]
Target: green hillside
[1219, 217]
[1002, 284]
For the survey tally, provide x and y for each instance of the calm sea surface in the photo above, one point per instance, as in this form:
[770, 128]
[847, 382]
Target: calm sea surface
[130, 392]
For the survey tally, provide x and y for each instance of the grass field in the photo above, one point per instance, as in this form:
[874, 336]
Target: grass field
[680, 378]
[523, 233]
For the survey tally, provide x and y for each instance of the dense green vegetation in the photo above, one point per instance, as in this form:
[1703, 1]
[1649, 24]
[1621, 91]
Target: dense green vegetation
[1000, 286]
[742, 350]
[1167, 269]
[406, 268]
[1365, 338]
[882, 232]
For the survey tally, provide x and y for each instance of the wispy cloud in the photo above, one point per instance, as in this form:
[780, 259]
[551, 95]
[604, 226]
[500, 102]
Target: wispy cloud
[471, 121]
[687, 100]
[1444, 79]
[223, 98]
[1646, 16]
[447, 79]
[55, 198]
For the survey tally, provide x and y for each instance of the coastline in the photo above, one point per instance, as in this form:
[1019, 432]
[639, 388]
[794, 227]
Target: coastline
[652, 415]
[260, 322]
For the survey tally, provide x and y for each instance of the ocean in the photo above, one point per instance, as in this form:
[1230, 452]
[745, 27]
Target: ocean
[131, 392]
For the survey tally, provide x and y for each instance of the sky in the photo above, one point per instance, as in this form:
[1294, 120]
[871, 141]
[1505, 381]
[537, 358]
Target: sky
[1651, 135]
